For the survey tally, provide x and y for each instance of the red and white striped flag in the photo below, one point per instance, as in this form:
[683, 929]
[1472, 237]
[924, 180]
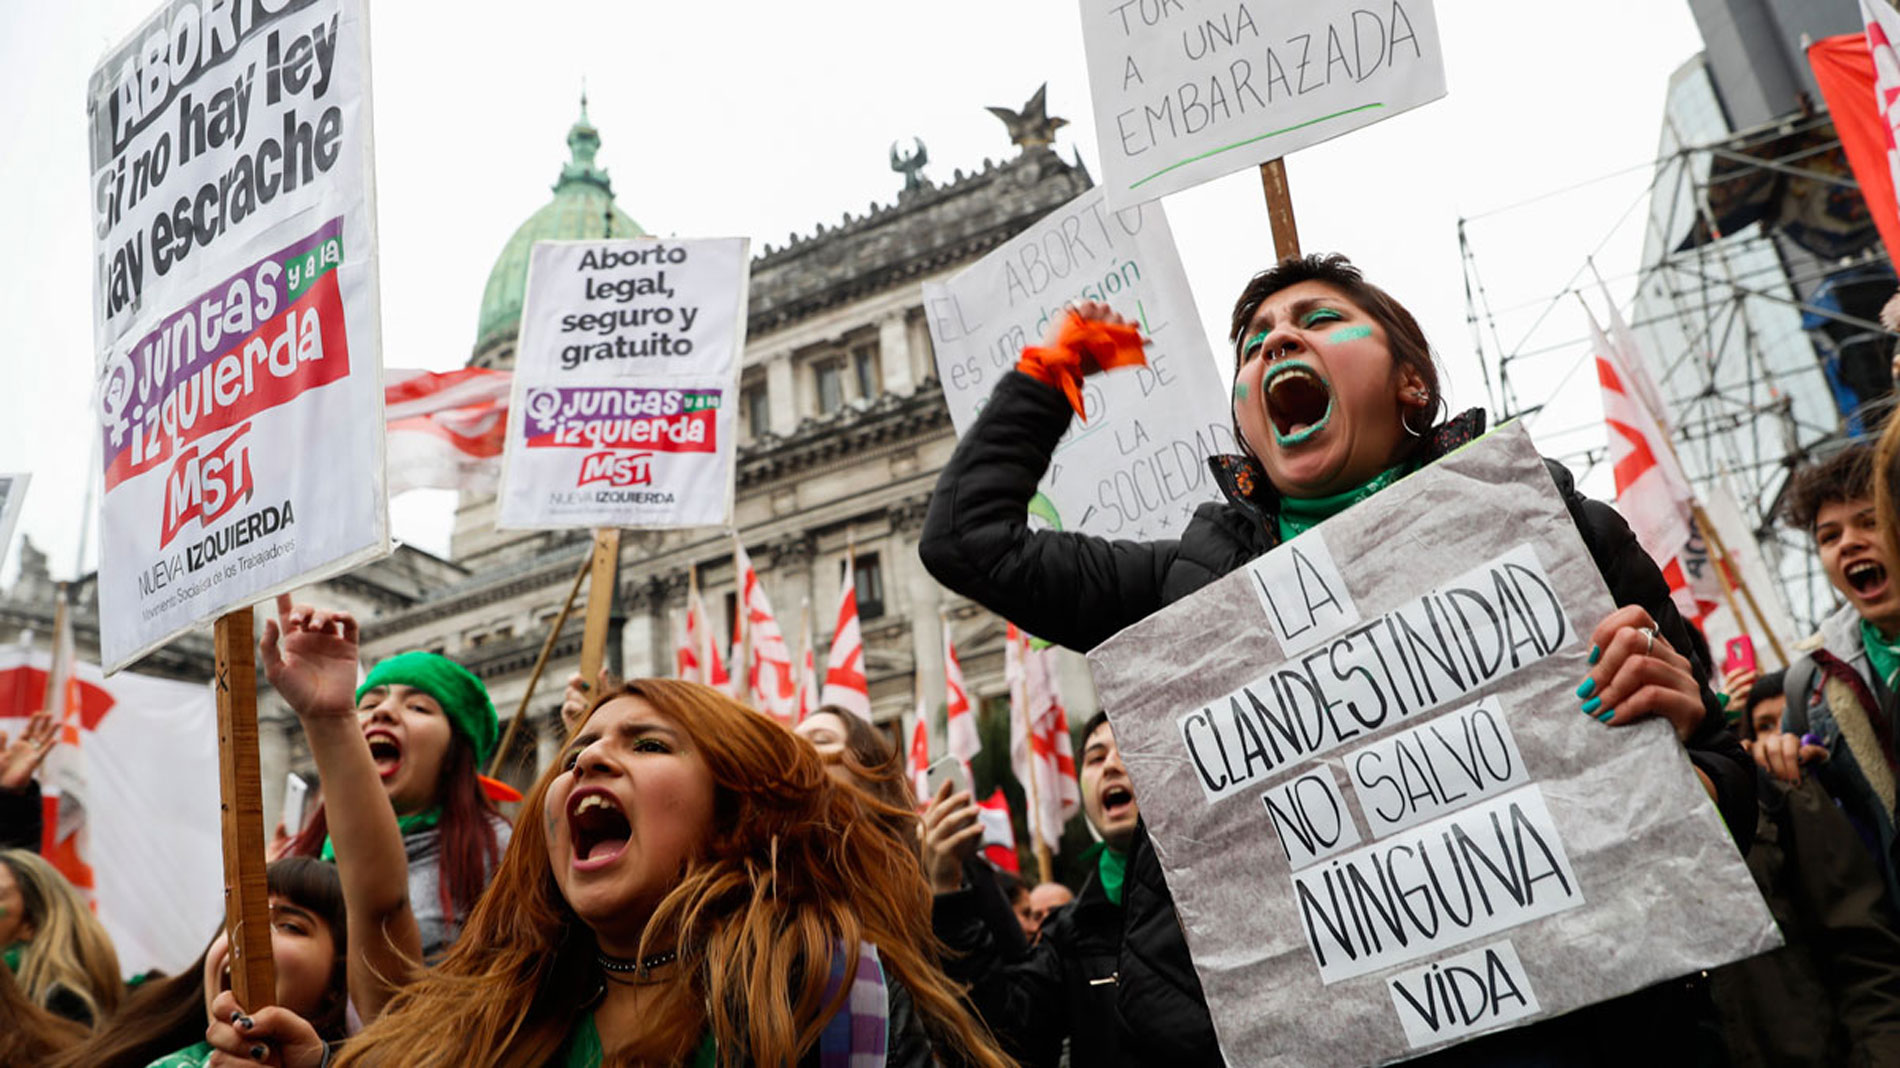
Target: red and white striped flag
[63, 776]
[706, 648]
[845, 682]
[685, 649]
[917, 758]
[999, 834]
[960, 717]
[1651, 490]
[773, 679]
[807, 673]
[445, 430]
[1040, 750]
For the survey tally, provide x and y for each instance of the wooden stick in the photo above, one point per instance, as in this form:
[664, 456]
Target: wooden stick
[1286, 235]
[246, 893]
[600, 601]
[540, 662]
[1714, 541]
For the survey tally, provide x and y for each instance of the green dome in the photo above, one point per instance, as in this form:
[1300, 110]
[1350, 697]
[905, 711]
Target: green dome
[583, 207]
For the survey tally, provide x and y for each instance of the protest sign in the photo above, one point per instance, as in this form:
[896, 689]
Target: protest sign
[1137, 466]
[235, 315]
[1406, 834]
[1188, 90]
[12, 496]
[623, 408]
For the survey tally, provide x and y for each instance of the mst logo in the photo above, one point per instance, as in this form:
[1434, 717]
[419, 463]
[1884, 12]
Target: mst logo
[617, 469]
[204, 484]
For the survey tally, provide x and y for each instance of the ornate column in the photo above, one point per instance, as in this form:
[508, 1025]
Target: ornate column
[274, 724]
[782, 394]
[549, 733]
[789, 583]
[923, 597]
[643, 638]
[893, 354]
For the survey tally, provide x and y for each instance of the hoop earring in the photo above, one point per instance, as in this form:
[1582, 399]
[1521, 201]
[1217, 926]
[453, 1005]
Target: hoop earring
[1406, 425]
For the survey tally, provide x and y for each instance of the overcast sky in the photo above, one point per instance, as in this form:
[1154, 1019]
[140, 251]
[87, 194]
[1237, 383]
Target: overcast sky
[763, 119]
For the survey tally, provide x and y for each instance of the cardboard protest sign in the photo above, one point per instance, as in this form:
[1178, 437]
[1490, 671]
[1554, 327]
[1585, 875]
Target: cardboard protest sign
[1189, 90]
[1386, 826]
[12, 497]
[235, 315]
[1137, 467]
[626, 379]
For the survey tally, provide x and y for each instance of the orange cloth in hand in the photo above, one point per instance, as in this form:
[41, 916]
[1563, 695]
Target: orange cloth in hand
[1083, 347]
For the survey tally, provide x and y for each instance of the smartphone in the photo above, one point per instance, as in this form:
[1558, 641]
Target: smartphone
[947, 768]
[1741, 655]
[296, 792]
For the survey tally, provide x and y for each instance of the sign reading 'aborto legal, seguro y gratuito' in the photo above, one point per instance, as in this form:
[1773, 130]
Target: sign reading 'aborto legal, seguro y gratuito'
[622, 413]
[1385, 824]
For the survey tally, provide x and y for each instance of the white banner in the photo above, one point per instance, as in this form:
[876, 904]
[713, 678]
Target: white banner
[1188, 90]
[151, 832]
[235, 312]
[1386, 825]
[1137, 467]
[626, 385]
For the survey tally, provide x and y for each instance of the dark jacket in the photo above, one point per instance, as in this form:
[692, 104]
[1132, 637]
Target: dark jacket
[1832, 994]
[1063, 987]
[1078, 590]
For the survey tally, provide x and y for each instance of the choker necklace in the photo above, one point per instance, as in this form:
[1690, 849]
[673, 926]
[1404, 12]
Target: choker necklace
[640, 969]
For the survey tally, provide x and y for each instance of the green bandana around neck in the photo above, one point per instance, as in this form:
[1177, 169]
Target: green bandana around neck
[408, 825]
[13, 955]
[463, 698]
[1882, 653]
[1301, 514]
[1112, 868]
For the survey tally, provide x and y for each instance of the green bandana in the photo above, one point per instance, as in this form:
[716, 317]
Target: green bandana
[583, 1048]
[13, 955]
[462, 696]
[1883, 654]
[1112, 868]
[408, 825]
[1301, 514]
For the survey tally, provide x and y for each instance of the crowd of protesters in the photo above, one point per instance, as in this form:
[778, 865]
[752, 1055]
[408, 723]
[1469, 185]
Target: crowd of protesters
[692, 883]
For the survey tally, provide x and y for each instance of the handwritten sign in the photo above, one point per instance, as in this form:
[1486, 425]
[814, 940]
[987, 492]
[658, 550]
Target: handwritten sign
[1188, 90]
[1137, 467]
[624, 385]
[1403, 834]
[234, 312]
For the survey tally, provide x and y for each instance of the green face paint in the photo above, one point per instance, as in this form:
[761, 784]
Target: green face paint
[1240, 391]
[1349, 333]
[1253, 345]
[1298, 436]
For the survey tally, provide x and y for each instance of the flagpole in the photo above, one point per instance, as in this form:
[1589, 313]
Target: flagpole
[541, 662]
[56, 701]
[1044, 868]
[1714, 541]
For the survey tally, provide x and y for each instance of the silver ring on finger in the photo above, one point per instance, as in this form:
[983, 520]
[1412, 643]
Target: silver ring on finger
[1650, 633]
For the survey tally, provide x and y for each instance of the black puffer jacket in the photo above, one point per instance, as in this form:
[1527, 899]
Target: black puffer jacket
[1078, 590]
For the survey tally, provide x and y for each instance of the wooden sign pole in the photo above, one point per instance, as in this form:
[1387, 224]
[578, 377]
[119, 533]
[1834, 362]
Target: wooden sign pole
[600, 601]
[1286, 236]
[246, 893]
[540, 663]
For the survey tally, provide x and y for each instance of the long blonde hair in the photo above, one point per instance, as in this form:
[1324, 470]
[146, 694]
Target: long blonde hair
[69, 949]
[795, 870]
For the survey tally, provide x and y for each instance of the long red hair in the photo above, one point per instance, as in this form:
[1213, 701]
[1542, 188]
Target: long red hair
[797, 869]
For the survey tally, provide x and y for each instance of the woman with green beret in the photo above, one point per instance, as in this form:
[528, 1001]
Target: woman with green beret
[414, 732]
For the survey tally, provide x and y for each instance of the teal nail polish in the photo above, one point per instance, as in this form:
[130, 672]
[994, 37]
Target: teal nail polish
[1596, 653]
[1608, 714]
[1589, 687]
[1590, 707]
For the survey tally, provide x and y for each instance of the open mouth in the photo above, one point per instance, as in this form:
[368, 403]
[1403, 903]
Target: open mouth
[597, 827]
[1117, 800]
[1298, 401]
[1866, 577]
[385, 750]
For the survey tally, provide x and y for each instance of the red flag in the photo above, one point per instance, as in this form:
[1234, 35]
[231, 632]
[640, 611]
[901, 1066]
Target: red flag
[960, 718]
[445, 431]
[1859, 76]
[773, 682]
[685, 649]
[845, 683]
[999, 836]
[699, 630]
[917, 760]
[807, 674]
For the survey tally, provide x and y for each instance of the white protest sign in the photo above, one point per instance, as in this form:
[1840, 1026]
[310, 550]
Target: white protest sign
[235, 312]
[1407, 834]
[625, 385]
[1137, 467]
[12, 497]
[1188, 90]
